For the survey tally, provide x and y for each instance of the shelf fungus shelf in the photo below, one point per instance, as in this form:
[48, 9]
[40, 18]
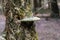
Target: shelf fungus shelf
[29, 19]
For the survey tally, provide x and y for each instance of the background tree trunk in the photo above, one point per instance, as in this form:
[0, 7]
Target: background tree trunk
[40, 3]
[54, 9]
[35, 5]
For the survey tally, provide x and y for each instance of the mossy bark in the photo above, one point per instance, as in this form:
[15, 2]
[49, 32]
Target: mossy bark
[17, 31]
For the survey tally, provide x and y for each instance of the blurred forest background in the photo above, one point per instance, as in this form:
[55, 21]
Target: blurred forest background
[43, 7]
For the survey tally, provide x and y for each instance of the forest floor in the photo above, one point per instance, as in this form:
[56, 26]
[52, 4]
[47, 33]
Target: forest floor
[46, 29]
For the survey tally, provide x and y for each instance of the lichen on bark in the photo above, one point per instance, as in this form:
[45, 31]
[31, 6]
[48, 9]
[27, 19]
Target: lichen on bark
[21, 30]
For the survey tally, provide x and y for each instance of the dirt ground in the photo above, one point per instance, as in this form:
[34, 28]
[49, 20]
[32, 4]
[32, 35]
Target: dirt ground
[48, 30]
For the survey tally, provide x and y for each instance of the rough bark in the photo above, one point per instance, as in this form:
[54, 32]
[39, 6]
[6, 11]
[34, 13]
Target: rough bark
[17, 31]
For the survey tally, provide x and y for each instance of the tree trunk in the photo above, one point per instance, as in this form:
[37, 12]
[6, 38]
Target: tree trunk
[54, 9]
[18, 31]
[35, 5]
[40, 3]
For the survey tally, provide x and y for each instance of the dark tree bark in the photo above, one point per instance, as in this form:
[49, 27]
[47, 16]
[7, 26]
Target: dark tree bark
[54, 9]
[35, 5]
[39, 3]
